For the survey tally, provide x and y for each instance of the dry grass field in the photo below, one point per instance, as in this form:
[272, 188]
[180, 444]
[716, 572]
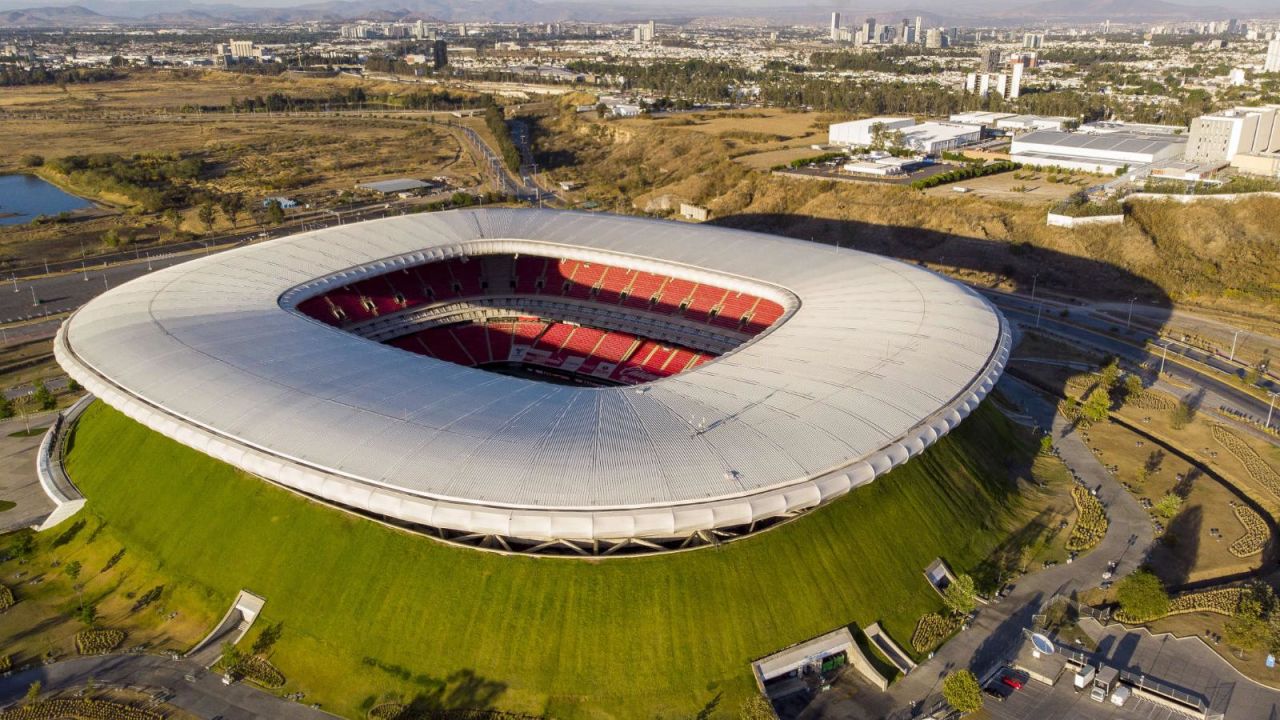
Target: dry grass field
[311, 159]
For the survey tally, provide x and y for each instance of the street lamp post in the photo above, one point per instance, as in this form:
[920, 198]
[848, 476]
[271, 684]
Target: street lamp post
[1034, 280]
[1233, 346]
[1129, 320]
[1164, 357]
[1270, 407]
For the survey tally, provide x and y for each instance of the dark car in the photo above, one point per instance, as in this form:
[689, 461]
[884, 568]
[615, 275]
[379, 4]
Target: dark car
[997, 691]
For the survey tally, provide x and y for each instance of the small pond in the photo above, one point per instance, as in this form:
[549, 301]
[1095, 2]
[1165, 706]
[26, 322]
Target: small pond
[24, 197]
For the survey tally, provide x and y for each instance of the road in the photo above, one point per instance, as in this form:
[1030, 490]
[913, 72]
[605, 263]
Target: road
[203, 695]
[997, 632]
[1092, 331]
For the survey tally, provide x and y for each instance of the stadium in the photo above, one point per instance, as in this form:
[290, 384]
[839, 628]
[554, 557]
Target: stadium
[545, 381]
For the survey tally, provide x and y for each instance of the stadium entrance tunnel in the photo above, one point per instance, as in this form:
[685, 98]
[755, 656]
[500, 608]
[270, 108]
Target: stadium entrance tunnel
[594, 321]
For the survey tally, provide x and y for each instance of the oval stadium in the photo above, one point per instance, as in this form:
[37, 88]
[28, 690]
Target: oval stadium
[546, 381]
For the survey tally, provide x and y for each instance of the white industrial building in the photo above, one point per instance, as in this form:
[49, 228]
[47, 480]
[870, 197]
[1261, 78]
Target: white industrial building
[932, 138]
[1105, 153]
[981, 118]
[928, 138]
[1219, 137]
[1028, 123]
[860, 132]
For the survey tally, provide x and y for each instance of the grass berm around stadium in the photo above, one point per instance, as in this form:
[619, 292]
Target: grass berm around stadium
[371, 613]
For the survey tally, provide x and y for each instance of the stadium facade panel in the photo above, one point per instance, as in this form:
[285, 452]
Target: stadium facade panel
[864, 362]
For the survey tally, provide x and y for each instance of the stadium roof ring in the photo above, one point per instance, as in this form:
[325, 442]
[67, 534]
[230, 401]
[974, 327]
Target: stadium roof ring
[252, 357]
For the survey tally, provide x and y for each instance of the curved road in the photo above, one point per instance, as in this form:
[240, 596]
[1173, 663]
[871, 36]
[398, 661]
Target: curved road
[189, 686]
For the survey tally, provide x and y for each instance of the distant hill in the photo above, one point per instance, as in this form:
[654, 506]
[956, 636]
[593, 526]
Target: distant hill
[64, 16]
[1100, 10]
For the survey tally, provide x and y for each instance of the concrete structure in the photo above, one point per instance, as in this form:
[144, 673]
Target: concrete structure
[1219, 137]
[1028, 123]
[66, 497]
[934, 39]
[989, 59]
[1105, 153]
[887, 647]
[1015, 82]
[835, 27]
[931, 138]
[214, 354]
[644, 32]
[987, 120]
[391, 187]
[860, 132]
[810, 653]
[1272, 63]
[1105, 127]
[694, 212]
[1033, 41]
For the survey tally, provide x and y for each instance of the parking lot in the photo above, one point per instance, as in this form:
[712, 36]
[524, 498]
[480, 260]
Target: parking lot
[1036, 701]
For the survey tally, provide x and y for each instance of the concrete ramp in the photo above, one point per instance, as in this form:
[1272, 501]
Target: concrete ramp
[233, 626]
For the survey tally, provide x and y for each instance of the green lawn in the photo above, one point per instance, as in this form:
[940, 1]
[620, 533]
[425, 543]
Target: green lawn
[370, 612]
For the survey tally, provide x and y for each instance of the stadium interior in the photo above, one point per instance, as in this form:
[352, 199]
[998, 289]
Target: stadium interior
[553, 319]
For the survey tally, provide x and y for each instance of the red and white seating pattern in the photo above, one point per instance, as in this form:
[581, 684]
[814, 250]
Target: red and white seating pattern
[459, 278]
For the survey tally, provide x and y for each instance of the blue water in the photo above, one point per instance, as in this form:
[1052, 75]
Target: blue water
[23, 197]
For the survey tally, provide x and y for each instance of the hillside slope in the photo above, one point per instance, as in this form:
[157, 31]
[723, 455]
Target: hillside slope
[368, 610]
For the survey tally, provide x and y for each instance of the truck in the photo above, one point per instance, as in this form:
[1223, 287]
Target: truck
[1106, 680]
[1084, 677]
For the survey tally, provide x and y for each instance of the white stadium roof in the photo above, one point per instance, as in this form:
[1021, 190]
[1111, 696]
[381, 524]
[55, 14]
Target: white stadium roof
[873, 361]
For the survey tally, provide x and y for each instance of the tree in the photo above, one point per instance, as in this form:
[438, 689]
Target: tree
[1110, 374]
[88, 615]
[961, 691]
[1246, 630]
[1168, 506]
[1142, 596]
[42, 397]
[73, 570]
[206, 216]
[1097, 405]
[6, 406]
[33, 691]
[275, 213]
[1132, 386]
[1182, 415]
[231, 656]
[959, 595]
[232, 205]
[174, 218]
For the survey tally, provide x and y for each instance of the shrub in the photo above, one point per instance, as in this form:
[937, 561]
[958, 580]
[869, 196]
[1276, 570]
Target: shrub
[98, 642]
[257, 669]
[959, 595]
[6, 598]
[1091, 521]
[80, 708]
[32, 160]
[1255, 533]
[1168, 506]
[1258, 469]
[961, 691]
[1142, 596]
[931, 630]
[965, 173]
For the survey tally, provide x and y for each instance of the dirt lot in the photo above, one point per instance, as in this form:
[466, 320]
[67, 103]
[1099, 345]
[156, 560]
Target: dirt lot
[1031, 187]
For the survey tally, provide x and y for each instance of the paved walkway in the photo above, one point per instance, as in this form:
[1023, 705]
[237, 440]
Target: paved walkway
[203, 695]
[1187, 664]
[18, 482]
[997, 633]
